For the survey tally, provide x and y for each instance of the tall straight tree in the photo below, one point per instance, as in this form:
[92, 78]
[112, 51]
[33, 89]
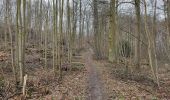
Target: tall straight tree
[54, 33]
[137, 49]
[9, 19]
[21, 30]
[69, 31]
[17, 42]
[46, 32]
[96, 29]
[167, 22]
[60, 37]
[22, 70]
[80, 24]
[168, 17]
[154, 30]
[112, 31]
[57, 37]
[5, 2]
[36, 19]
[74, 22]
[29, 18]
[40, 21]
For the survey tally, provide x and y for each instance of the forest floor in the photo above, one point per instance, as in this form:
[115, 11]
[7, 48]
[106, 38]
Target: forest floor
[107, 81]
[96, 80]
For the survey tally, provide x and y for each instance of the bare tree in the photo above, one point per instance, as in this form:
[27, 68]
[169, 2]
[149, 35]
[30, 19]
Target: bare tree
[151, 48]
[138, 34]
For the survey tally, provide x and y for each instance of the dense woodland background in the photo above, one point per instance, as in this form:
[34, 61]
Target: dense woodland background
[42, 42]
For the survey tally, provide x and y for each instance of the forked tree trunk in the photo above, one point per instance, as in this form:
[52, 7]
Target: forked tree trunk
[151, 49]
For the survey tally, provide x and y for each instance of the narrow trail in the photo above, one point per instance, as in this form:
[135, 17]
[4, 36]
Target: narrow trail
[94, 85]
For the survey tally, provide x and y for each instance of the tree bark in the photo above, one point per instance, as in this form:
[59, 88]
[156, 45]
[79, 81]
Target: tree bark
[112, 33]
[138, 45]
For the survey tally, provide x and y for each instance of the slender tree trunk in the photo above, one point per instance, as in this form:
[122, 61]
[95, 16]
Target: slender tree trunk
[54, 34]
[40, 23]
[138, 45]
[74, 30]
[29, 20]
[60, 37]
[46, 34]
[69, 32]
[80, 25]
[87, 27]
[17, 42]
[168, 15]
[166, 24]
[5, 19]
[11, 38]
[57, 39]
[82, 30]
[168, 21]
[21, 37]
[154, 31]
[151, 49]
[20, 60]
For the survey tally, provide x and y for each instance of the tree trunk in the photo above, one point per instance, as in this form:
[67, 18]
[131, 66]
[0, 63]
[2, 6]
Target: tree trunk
[54, 35]
[96, 30]
[80, 25]
[138, 45]
[168, 18]
[69, 32]
[112, 33]
[151, 49]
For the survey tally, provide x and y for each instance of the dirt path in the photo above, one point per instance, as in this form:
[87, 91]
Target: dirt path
[94, 86]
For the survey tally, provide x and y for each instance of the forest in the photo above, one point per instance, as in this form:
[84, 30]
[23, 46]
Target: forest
[84, 49]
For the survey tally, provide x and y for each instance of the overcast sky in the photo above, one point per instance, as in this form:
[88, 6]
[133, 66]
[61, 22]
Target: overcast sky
[128, 8]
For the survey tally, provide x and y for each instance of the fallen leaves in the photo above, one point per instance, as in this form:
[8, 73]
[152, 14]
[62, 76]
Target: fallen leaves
[3, 56]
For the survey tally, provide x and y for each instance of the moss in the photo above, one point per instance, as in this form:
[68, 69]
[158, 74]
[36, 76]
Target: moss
[2, 83]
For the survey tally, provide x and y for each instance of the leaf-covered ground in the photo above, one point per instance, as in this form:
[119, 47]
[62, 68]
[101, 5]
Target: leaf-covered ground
[88, 79]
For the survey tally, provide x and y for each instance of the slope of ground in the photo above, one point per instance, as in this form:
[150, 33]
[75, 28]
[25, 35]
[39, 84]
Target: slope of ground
[128, 89]
[97, 80]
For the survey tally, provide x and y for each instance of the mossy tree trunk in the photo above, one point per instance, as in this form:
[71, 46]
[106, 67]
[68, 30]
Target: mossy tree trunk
[112, 32]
